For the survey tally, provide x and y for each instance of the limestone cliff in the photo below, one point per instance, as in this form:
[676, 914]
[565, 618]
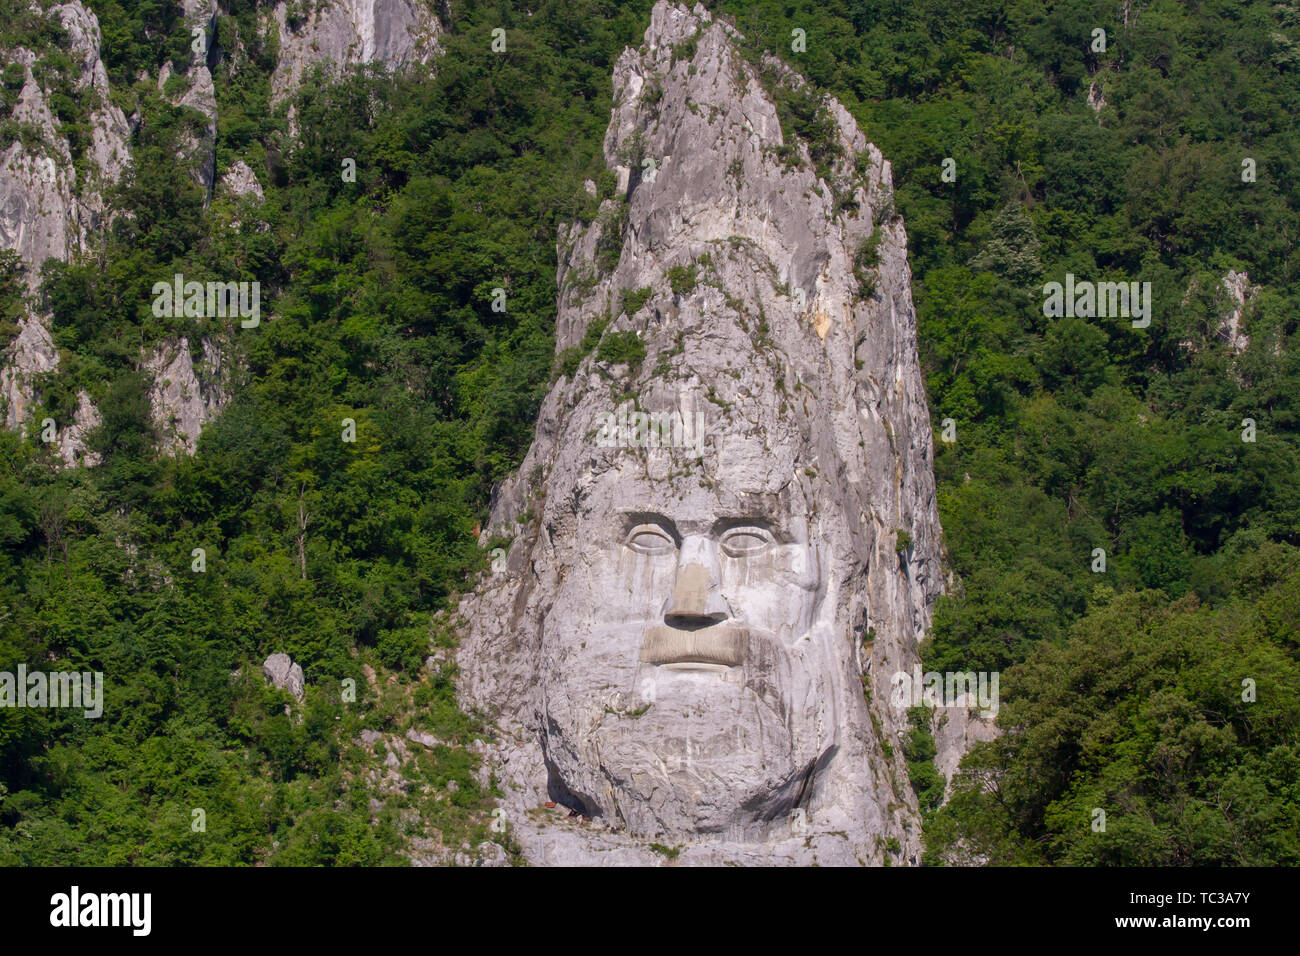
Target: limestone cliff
[44, 211]
[186, 393]
[345, 33]
[725, 529]
[49, 210]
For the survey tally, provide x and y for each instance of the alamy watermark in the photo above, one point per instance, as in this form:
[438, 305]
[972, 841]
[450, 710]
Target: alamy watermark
[193, 299]
[1103, 300]
[77, 909]
[53, 689]
[625, 428]
[950, 689]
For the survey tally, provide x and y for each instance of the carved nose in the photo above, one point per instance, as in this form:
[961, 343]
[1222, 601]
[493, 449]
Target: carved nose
[696, 601]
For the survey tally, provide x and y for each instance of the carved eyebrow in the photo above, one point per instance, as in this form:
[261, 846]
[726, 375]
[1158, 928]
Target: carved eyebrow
[719, 527]
[632, 519]
[735, 521]
[725, 524]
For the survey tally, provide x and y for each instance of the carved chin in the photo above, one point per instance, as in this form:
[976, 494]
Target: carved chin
[706, 780]
[707, 755]
[681, 731]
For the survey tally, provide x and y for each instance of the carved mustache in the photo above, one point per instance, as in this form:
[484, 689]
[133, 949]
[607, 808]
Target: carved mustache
[720, 644]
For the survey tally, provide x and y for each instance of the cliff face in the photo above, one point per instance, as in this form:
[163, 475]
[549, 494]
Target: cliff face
[186, 392]
[46, 212]
[52, 208]
[348, 33]
[677, 644]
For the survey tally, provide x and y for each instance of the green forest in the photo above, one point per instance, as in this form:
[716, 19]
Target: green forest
[1162, 690]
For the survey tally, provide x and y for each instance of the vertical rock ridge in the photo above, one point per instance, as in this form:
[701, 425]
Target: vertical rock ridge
[46, 213]
[765, 279]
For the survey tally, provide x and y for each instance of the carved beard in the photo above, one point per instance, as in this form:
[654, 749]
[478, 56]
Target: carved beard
[692, 748]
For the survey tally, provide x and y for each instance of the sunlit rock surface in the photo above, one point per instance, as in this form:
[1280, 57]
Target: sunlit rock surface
[47, 213]
[676, 645]
[347, 33]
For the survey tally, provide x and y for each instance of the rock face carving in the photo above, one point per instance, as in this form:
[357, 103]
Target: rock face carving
[677, 644]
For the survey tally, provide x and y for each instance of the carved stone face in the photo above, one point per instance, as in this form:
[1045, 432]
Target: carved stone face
[687, 683]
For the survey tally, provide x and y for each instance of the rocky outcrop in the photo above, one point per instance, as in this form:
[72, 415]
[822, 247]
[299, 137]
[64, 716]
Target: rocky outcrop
[1240, 292]
[46, 213]
[725, 528]
[110, 132]
[282, 672]
[71, 436]
[240, 180]
[198, 147]
[30, 355]
[185, 394]
[243, 195]
[1232, 298]
[346, 33]
[38, 207]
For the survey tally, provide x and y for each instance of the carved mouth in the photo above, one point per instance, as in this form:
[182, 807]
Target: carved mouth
[720, 644]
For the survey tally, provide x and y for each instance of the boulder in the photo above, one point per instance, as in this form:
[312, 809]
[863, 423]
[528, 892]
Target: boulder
[283, 673]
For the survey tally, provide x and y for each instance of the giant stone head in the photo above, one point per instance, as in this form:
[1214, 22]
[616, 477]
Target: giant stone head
[721, 547]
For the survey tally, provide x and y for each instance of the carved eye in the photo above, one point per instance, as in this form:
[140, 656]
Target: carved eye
[650, 539]
[746, 542]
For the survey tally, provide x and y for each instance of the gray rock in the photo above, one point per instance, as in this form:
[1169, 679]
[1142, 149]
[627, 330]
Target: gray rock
[185, 394]
[420, 737]
[283, 673]
[38, 201]
[240, 180]
[1240, 292]
[437, 662]
[491, 854]
[31, 353]
[1235, 295]
[110, 133]
[679, 644]
[346, 33]
[46, 213]
[197, 147]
